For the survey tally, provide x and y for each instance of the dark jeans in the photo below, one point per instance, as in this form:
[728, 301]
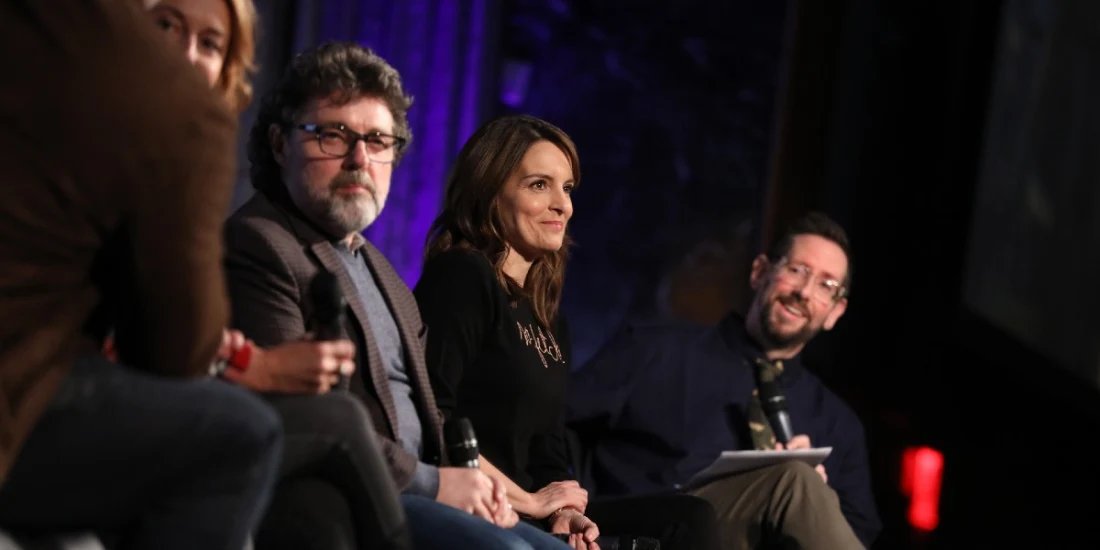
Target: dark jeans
[439, 527]
[680, 522]
[332, 473]
[153, 462]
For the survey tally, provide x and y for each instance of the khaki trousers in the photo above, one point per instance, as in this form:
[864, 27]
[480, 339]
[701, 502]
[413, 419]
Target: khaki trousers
[785, 506]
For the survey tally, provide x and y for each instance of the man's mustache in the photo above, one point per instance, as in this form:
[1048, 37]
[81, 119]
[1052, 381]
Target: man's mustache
[354, 179]
[797, 302]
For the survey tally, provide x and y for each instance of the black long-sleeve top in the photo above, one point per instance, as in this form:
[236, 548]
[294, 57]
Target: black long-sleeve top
[490, 360]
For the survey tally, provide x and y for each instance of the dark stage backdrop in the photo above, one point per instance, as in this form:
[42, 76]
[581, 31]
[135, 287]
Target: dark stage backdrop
[1033, 263]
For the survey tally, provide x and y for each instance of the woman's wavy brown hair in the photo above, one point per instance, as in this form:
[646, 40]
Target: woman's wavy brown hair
[235, 82]
[470, 218]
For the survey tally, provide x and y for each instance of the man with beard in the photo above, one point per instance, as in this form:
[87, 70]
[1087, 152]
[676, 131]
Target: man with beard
[660, 402]
[323, 150]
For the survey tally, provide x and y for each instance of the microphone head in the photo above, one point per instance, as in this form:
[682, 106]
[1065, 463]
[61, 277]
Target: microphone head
[462, 448]
[771, 399]
[775, 408]
[328, 303]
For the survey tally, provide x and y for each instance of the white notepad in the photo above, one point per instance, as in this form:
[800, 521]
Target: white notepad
[732, 462]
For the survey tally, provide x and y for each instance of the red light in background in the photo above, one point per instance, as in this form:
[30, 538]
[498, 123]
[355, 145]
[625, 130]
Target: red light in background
[921, 477]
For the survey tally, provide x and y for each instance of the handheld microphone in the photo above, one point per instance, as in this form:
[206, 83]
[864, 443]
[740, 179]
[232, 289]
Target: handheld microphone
[329, 306]
[458, 433]
[775, 408]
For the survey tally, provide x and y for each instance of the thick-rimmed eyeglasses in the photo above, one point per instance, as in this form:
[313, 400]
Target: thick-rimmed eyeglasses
[336, 140]
[798, 275]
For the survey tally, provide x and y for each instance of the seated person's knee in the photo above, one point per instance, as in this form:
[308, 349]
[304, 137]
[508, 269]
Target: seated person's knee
[796, 474]
[249, 424]
[514, 542]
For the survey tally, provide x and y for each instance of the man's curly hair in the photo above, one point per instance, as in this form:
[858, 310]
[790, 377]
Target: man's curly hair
[339, 70]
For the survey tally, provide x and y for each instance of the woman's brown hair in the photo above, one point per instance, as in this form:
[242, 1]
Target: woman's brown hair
[470, 218]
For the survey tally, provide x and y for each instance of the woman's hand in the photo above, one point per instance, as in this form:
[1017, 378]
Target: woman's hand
[503, 513]
[558, 495]
[581, 530]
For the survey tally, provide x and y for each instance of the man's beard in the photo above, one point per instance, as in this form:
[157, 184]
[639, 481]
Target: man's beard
[342, 214]
[783, 340]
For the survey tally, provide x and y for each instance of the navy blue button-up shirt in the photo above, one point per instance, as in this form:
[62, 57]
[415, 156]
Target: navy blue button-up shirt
[660, 402]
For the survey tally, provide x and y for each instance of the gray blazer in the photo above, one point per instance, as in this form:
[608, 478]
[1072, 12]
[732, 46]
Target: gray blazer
[272, 254]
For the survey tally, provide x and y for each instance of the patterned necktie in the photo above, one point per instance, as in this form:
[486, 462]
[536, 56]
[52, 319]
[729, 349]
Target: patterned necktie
[763, 438]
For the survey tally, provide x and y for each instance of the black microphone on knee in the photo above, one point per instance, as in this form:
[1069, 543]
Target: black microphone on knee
[329, 313]
[462, 450]
[775, 408]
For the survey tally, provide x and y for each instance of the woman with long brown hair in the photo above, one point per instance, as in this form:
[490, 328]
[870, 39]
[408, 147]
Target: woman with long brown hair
[498, 347]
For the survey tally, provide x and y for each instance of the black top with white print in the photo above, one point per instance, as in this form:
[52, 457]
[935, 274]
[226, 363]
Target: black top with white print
[490, 361]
